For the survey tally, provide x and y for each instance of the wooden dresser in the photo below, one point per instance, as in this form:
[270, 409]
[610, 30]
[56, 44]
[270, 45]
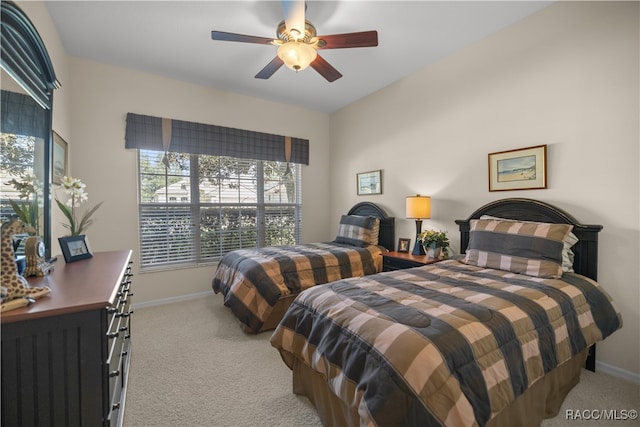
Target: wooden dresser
[65, 358]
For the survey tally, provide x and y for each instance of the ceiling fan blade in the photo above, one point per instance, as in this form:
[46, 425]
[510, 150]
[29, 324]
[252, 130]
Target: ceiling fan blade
[294, 15]
[325, 69]
[340, 41]
[270, 68]
[233, 37]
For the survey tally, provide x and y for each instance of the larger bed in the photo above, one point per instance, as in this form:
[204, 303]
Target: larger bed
[497, 337]
[259, 284]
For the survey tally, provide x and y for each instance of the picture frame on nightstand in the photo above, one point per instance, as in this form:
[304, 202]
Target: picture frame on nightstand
[404, 245]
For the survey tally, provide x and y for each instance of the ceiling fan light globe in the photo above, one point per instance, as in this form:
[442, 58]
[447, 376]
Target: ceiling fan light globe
[297, 56]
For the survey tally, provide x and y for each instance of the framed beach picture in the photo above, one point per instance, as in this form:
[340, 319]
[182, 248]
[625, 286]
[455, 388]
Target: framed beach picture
[521, 169]
[369, 182]
[59, 158]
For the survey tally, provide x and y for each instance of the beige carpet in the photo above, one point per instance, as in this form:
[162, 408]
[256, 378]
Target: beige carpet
[192, 366]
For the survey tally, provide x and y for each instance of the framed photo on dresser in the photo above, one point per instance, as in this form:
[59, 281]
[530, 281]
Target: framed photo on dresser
[74, 248]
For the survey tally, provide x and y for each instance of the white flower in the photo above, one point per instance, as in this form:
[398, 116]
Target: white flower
[77, 196]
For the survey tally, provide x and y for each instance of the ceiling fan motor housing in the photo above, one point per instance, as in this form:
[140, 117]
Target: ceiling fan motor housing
[287, 36]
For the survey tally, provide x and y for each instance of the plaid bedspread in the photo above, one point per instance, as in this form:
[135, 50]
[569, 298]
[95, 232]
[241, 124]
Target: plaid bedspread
[445, 344]
[252, 280]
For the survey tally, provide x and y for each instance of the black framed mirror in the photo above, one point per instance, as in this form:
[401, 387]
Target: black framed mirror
[28, 82]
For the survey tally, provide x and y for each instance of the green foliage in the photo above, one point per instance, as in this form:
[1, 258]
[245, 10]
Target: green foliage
[17, 154]
[434, 239]
[76, 227]
[27, 212]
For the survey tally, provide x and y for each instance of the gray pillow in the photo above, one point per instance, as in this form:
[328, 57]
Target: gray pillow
[358, 230]
[534, 249]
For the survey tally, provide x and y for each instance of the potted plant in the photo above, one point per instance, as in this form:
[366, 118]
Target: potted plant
[75, 190]
[434, 242]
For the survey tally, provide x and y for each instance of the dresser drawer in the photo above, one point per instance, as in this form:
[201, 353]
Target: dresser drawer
[59, 358]
[119, 342]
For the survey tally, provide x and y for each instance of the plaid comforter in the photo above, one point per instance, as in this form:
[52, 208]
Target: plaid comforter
[252, 280]
[445, 344]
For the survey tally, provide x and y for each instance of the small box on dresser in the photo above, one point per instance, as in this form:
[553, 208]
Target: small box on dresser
[65, 358]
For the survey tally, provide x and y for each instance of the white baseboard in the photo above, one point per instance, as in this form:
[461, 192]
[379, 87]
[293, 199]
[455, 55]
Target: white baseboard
[617, 372]
[170, 300]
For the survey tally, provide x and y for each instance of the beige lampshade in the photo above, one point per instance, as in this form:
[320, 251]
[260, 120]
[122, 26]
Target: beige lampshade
[419, 207]
[297, 56]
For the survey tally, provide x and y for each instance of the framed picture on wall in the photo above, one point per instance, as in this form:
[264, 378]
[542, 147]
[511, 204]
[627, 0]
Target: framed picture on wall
[521, 169]
[369, 182]
[59, 158]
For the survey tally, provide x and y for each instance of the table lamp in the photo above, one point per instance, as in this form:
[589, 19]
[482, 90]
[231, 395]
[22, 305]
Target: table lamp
[418, 208]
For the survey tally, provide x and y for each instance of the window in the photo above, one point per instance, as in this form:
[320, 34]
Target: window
[195, 208]
[21, 189]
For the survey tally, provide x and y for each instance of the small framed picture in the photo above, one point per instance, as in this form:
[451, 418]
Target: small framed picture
[74, 248]
[404, 245]
[521, 169]
[59, 157]
[369, 182]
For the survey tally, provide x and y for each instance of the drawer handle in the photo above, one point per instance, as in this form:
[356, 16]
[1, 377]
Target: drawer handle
[115, 406]
[113, 334]
[114, 373]
[111, 310]
[123, 328]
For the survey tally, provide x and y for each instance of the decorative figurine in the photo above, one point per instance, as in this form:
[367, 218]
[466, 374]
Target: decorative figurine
[16, 292]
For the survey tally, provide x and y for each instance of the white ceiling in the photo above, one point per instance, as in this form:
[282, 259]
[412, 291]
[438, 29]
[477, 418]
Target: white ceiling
[173, 39]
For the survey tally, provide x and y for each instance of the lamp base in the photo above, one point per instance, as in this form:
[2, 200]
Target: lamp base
[418, 249]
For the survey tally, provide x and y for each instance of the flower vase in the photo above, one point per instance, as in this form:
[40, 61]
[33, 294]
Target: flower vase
[433, 252]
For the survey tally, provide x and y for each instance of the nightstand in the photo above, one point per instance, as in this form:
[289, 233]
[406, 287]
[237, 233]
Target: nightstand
[400, 260]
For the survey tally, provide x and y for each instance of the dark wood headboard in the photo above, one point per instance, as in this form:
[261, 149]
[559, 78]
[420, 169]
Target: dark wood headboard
[387, 235]
[586, 250]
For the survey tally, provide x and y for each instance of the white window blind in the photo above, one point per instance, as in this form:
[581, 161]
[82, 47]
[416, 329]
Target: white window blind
[195, 208]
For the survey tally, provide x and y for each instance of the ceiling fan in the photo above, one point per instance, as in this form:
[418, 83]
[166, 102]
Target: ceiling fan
[298, 43]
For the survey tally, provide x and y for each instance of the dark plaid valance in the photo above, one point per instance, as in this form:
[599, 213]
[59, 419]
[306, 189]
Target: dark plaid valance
[146, 132]
[21, 115]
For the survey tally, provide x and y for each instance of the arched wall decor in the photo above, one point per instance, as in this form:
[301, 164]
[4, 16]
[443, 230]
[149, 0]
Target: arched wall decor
[24, 57]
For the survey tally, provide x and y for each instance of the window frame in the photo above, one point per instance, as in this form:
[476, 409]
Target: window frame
[196, 207]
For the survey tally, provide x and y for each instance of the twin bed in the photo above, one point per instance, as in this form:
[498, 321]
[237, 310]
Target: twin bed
[497, 337]
[259, 284]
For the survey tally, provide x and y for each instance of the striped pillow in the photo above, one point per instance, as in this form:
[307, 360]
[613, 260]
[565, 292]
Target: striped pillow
[567, 254]
[534, 249]
[358, 230]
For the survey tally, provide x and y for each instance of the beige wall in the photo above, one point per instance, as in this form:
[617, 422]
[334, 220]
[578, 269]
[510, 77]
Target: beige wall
[101, 97]
[89, 113]
[566, 77]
